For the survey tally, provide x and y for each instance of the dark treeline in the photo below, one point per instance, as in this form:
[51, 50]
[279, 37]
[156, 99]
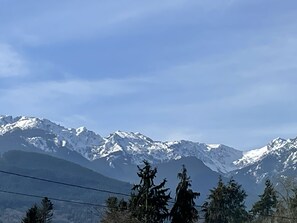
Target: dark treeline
[152, 203]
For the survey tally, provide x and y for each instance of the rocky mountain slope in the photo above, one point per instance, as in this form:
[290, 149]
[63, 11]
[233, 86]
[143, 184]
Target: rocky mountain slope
[276, 159]
[122, 150]
[118, 155]
[129, 147]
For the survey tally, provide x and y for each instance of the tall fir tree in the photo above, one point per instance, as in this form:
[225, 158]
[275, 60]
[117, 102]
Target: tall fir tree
[32, 215]
[184, 209]
[46, 211]
[267, 204]
[149, 201]
[225, 204]
[235, 199]
[215, 206]
[117, 211]
[42, 214]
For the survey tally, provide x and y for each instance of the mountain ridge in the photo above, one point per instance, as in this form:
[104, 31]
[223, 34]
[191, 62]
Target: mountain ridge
[118, 154]
[133, 148]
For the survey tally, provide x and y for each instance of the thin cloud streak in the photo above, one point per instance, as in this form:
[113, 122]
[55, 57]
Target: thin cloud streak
[73, 20]
[75, 89]
[215, 72]
[11, 62]
[98, 18]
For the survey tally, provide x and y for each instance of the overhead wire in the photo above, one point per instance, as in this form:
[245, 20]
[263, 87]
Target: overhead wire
[63, 183]
[72, 185]
[103, 206]
[52, 198]
[82, 187]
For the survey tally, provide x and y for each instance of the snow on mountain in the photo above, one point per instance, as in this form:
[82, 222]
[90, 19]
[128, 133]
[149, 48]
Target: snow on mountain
[251, 157]
[278, 158]
[130, 147]
[133, 148]
[256, 155]
[224, 158]
[219, 158]
[80, 140]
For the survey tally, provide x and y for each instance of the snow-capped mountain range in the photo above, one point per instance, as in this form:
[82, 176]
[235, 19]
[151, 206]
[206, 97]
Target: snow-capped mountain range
[133, 148]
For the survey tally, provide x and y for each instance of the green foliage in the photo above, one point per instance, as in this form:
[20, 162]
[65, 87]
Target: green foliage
[184, 209]
[31, 215]
[46, 211]
[215, 207]
[236, 209]
[117, 211]
[225, 204]
[149, 201]
[42, 214]
[267, 204]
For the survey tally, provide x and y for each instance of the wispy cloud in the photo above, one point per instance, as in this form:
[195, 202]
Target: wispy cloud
[65, 94]
[11, 62]
[208, 71]
[97, 18]
[72, 20]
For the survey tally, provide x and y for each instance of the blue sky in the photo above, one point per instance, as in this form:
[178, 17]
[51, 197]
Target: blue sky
[222, 71]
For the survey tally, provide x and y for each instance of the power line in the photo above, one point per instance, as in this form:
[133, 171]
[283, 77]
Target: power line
[72, 185]
[100, 205]
[56, 199]
[63, 183]
[52, 198]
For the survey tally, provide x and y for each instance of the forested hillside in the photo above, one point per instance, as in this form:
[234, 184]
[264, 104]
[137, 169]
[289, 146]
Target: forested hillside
[13, 206]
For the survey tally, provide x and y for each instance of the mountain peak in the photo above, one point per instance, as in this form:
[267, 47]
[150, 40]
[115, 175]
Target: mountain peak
[122, 145]
[5, 119]
[277, 143]
[9, 123]
[123, 134]
[134, 147]
[276, 147]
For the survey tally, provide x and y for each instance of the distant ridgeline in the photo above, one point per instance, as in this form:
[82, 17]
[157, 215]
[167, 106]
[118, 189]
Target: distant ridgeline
[118, 155]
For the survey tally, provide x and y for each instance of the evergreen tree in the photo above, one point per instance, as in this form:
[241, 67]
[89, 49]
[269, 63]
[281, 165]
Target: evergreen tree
[266, 206]
[215, 206]
[41, 214]
[31, 215]
[149, 201]
[46, 211]
[225, 204]
[235, 197]
[117, 211]
[184, 209]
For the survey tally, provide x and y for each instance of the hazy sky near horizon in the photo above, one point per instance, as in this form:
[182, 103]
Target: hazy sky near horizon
[222, 71]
